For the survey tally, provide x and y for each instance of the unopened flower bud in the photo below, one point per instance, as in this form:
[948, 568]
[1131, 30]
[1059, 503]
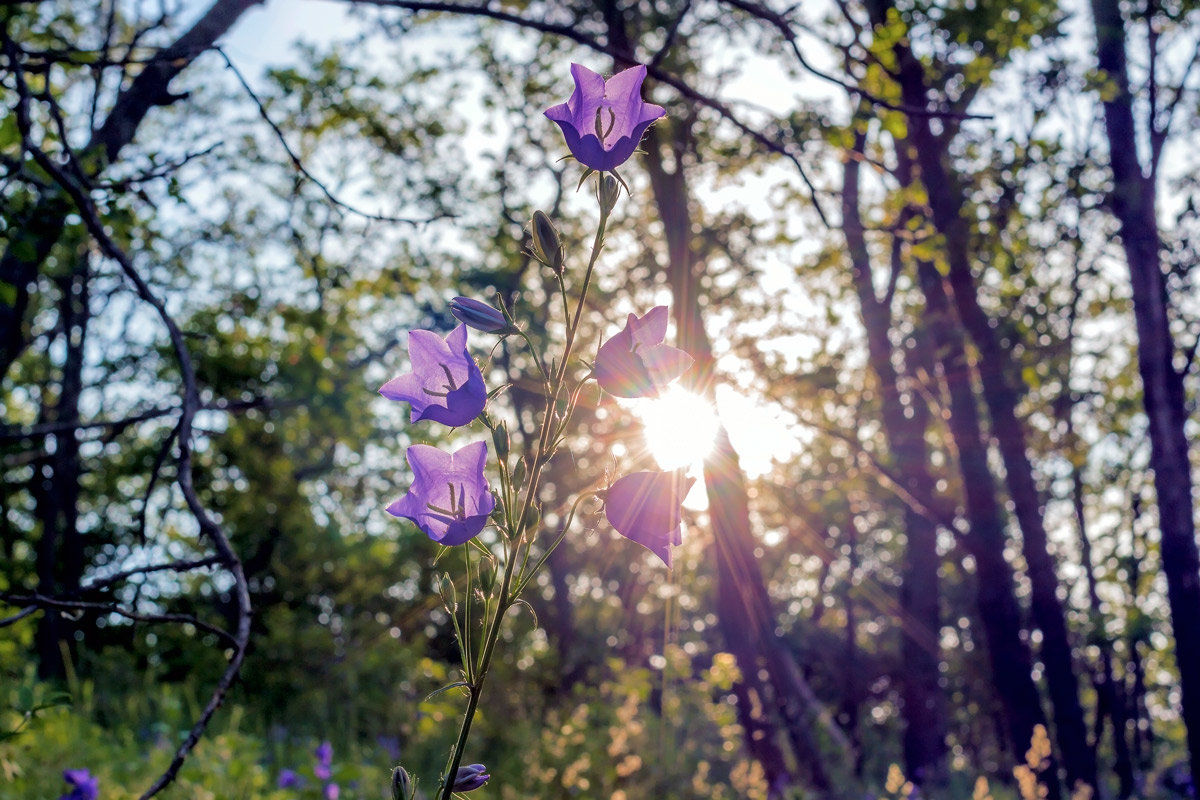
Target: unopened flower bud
[547, 244]
[479, 315]
[518, 474]
[401, 784]
[609, 191]
[470, 777]
[532, 517]
[500, 439]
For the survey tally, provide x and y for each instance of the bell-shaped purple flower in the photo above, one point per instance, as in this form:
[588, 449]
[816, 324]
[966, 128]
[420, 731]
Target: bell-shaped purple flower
[470, 777]
[323, 768]
[645, 507]
[84, 785]
[449, 498]
[635, 362]
[445, 384]
[479, 315]
[603, 122]
[289, 779]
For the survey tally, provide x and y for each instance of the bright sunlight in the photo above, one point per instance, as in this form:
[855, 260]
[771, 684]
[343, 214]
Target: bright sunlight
[680, 427]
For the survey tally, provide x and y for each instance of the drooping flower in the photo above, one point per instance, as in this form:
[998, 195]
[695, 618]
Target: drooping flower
[449, 498]
[84, 785]
[478, 315]
[470, 777]
[645, 507]
[635, 362]
[324, 754]
[603, 122]
[445, 384]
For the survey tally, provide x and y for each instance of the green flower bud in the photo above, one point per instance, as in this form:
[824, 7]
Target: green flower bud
[608, 191]
[518, 474]
[532, 517]
[547, 244]
[500, 439]
[401, 784]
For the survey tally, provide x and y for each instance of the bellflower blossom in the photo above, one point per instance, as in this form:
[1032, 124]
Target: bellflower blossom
[449, 498]
[645, 507]
[289, 779]
[470, 777]
[604, 121]
[445, 384]
[84, 785]
[635, 362]
[323, 769]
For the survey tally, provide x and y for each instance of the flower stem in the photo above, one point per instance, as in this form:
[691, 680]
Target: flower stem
[544, 445]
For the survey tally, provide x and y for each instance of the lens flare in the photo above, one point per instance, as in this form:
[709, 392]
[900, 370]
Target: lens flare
[679, 427]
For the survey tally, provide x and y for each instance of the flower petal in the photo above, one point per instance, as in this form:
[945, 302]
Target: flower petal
[645, 507]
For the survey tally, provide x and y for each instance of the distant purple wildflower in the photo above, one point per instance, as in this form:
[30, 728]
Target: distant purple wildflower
[604, 121]
[470, 777]
[324, 754]
[445, 384]
[635, 362]
[289, 779]
[332, 791]
[645, 507]
[449, 498]
[84, 785]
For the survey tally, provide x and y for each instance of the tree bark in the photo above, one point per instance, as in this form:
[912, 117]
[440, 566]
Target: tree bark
[55, 486]
[905, 421]
[999, 611]
[1133, 201]
[745, 610]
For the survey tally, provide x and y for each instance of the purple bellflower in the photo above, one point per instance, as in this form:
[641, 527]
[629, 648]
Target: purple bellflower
[478, 315]
[635, 362]
[289, 779]
[470, 777]
[445, 384]
[84, 785]
[645, 507]
[324, 754]
[603, 122]
[449, 498]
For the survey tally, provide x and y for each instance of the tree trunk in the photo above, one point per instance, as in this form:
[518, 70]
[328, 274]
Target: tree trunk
[55, 487]
[998, 609]
[905, 420]
[744, 605]
[1133, 202]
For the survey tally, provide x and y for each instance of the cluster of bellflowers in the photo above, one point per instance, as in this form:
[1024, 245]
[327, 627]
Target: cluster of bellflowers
[450, 498]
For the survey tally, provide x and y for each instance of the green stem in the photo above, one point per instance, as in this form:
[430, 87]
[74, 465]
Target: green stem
[505, 601]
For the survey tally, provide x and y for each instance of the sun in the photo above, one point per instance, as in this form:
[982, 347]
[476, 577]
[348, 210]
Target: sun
[679, 427]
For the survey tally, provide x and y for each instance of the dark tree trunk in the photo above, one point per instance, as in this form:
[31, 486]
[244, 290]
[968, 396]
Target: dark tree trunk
[905, 420]
[999, 611]
[745, 611]
[56, 486]
[1133, 202]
